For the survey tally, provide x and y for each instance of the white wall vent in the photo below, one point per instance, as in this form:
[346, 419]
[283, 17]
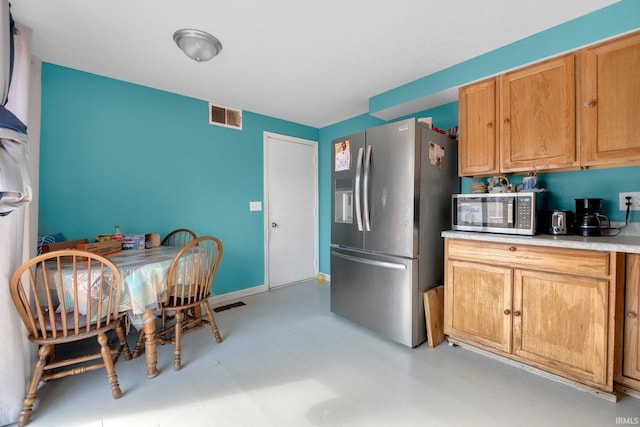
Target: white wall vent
[221, 115]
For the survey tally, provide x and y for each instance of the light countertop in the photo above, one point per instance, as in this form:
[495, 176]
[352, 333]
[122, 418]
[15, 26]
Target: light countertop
[621, 243]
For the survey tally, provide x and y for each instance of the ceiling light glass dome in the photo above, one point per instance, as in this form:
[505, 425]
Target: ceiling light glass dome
[196, 44]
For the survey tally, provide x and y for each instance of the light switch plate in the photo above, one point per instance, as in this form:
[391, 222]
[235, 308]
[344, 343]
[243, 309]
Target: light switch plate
[255, 206]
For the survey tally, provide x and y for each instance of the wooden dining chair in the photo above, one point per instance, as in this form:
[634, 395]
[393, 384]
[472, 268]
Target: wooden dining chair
[65, 297]
[189, 284]
[178, 237]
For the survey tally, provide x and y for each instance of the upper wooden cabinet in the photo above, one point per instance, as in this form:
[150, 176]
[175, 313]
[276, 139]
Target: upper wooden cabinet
[537, 116]
[520, 121]
[478, 145]
[576, 110]
[609, 102]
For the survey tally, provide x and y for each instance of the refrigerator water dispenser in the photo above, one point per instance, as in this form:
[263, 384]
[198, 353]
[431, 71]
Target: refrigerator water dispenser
[344, 201]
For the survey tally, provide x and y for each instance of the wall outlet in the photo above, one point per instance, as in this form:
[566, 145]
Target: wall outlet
[635, 201]
[255, 206]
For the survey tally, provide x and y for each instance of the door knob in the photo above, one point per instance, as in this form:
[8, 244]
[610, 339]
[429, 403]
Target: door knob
[274, 225]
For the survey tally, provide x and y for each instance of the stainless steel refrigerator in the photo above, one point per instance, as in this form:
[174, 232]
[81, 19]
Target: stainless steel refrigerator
[392, 188]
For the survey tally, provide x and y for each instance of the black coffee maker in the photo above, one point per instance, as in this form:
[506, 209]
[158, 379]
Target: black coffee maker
[589, 222]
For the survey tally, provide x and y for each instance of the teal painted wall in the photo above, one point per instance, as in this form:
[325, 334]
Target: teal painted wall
[93, 126]
[119, 153]
[564, 187]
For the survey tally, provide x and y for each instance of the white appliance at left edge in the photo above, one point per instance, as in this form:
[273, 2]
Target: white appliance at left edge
[392, 188]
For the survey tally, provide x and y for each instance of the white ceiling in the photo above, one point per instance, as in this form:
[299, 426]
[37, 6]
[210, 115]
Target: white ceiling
[314, 62]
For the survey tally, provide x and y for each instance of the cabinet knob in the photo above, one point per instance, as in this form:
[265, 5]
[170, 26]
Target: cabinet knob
[507, 311]
[632, 315]
[490, 125]
[592, 104]
[507, 121]
[512, 249]
[516, 313]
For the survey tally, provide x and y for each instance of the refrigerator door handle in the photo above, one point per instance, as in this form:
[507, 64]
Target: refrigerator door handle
[374, 262]
[357, 188]
[367, 167]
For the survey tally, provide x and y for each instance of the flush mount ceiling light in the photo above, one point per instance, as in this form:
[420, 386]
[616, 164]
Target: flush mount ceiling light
[197, 45]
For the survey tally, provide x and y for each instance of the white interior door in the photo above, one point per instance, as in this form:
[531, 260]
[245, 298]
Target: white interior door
[291, 222]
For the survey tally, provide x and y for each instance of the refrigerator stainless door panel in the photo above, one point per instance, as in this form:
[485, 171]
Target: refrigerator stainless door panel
[391, 179]
[346, 183]
[380, 293]
[439, 180]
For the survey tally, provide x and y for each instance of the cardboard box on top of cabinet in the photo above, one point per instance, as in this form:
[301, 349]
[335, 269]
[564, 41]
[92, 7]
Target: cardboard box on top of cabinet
[67, 244]
[101, 248]
[153, 239]
[140, 241]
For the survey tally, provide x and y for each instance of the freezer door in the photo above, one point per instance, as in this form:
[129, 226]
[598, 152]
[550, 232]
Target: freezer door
[346, 187]
[391, 187]
[380, 293]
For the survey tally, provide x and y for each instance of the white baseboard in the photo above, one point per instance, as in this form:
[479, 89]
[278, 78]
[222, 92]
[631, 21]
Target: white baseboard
[217, 300]
[221, 299]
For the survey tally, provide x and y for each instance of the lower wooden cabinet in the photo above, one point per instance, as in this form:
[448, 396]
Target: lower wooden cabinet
[631, 354]
[536, 305]
[475, 297]
[560, 322]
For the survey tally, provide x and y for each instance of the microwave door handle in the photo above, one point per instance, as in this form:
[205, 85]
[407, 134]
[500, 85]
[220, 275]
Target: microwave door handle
[512, 212]
[367, 170]
[357, 188]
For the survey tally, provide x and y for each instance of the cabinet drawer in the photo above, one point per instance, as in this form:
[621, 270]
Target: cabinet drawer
[570, 261]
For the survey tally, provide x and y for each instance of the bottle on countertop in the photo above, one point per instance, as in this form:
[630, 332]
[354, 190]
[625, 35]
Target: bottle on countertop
[117, 235]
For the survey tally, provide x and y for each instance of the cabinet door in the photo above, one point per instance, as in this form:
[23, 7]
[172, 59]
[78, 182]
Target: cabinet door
[537, 116]
[560, 324]
[609, 102]
[478, 304]
[631, 358]
[477, 149]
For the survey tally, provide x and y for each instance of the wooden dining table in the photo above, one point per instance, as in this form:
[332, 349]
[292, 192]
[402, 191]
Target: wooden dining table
[144, 286]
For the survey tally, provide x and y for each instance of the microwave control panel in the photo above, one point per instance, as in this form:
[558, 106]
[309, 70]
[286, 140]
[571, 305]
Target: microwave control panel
[524, 213]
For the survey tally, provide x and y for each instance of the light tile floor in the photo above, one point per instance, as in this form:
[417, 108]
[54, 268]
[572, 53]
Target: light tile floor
[286, 360]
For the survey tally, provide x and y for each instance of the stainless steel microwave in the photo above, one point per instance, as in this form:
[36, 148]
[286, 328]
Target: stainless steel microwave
[508, 213]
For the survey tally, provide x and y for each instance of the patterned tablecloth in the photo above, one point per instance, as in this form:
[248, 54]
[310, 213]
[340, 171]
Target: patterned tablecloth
[144, 282]
[144, 279]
